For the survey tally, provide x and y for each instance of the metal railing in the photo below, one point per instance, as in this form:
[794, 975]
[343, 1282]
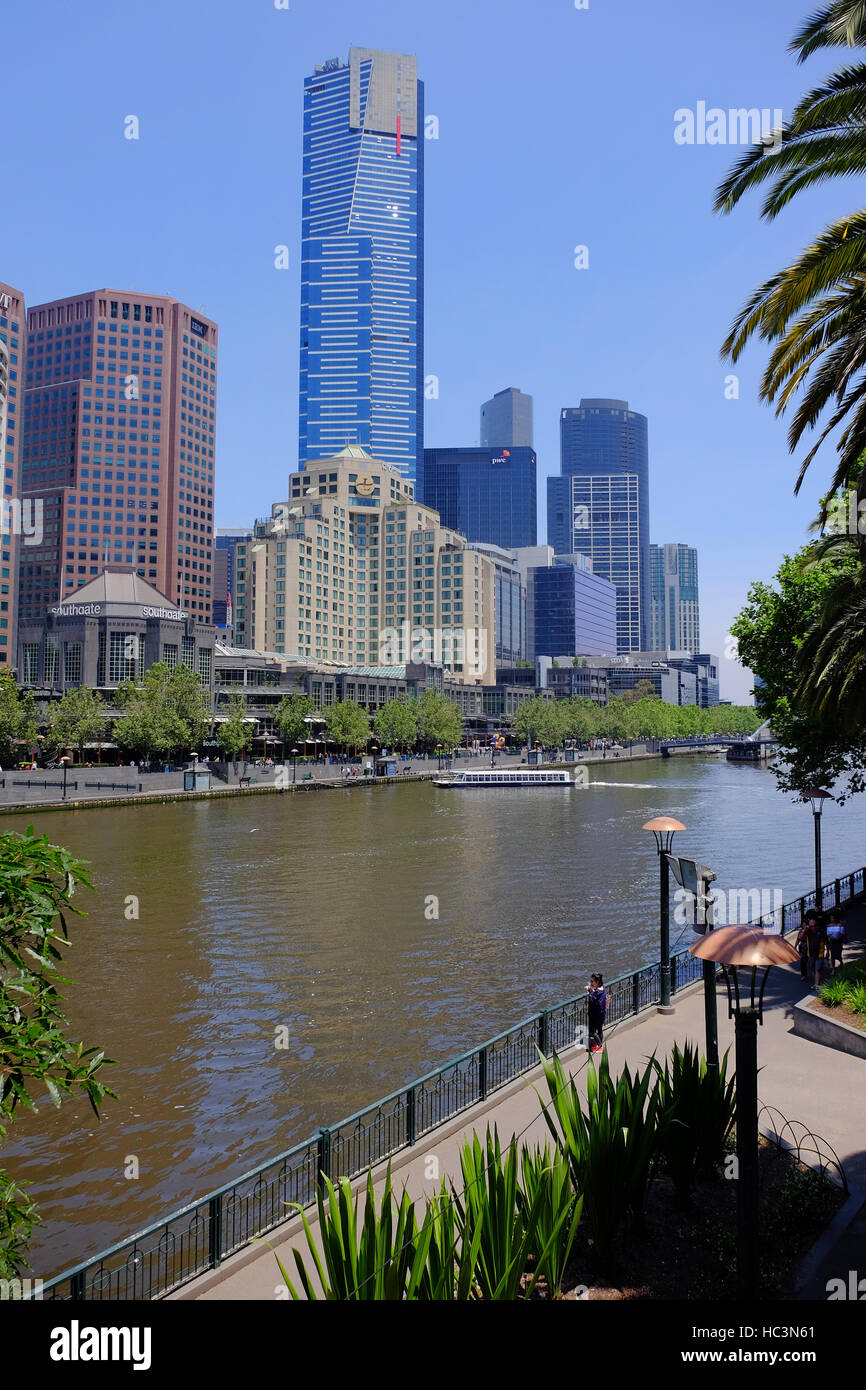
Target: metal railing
[198, 1237]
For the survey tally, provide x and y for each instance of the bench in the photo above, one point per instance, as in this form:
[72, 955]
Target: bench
[245, 780]
[406, 771]
[307, 777]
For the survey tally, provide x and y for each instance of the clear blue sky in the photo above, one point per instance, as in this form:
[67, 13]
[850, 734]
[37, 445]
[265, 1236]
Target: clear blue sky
[556, 130]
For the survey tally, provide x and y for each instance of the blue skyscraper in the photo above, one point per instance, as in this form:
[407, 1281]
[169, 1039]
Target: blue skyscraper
[485, 494]
[362, 260]
[599, 506]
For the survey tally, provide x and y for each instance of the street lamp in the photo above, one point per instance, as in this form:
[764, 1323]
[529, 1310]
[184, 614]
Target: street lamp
[731, 947]
[664, 828]
[817, 797]
[439, 755]
[294, 765]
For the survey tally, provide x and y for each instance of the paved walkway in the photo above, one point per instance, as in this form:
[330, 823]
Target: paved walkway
[806, 1081]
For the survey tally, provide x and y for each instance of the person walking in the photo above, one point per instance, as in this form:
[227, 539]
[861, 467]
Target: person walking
[835, 939]
[810, 943]
[596, 1012]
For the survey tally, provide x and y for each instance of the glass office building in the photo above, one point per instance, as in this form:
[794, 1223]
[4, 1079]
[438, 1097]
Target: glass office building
[362, 260]
[486, 494]
[574, 612]
[507, 419]
[676, 623]
[599, 506]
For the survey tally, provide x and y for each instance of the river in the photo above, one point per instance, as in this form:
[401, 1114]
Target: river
[315, 914]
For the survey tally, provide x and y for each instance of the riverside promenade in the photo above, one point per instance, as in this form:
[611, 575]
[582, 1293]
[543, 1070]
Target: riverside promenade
[98, 787]
[821, 1087]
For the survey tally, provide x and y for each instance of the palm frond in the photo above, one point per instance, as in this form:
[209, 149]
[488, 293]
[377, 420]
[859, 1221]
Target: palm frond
[839, 24]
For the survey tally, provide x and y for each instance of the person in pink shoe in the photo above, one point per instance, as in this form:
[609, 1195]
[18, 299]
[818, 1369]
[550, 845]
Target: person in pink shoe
[596, 1012]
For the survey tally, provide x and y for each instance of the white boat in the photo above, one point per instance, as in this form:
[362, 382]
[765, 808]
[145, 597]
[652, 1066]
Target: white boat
[511, 777]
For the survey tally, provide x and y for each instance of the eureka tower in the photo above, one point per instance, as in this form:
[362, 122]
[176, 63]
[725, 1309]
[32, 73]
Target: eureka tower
[362, 260]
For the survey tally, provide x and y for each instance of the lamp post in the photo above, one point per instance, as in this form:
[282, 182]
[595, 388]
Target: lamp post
[731, 947]
[294, 765]
[664, 828]
[817, 797]
[439, 756]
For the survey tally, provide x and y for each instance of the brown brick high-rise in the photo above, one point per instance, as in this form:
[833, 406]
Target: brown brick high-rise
[13, 343]
[118, 442]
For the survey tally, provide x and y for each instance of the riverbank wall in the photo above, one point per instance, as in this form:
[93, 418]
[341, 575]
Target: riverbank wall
[317, 783]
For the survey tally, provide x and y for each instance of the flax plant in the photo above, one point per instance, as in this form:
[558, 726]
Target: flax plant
[610, 1147]
[697, 1105]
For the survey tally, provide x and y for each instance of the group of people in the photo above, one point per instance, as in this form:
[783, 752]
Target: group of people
[818, 942]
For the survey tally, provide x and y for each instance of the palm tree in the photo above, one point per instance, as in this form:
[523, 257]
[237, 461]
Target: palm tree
[813, 312]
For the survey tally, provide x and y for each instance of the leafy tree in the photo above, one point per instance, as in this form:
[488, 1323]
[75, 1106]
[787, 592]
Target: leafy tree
[37, 881]
[579, 718]
[440, 722]
[396, 724]
[289, 718]
[18, 722]
[539, 721]
[348, 724]
[168, 714]
[812, 312]
[78, 718]
[235, 735]
[643, 690]
[775, 632]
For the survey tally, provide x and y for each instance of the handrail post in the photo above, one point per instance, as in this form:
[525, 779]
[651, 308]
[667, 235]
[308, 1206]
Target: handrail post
[850, 885]
[673, 974]
[482, 1074]
[77, 1287]
[838, 888]
[635, 992]
[542, 1032]
[215, 1213]
[323, 1158]
[410, 1117]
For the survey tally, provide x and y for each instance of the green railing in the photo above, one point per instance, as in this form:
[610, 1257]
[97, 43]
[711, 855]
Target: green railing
[197, 1238]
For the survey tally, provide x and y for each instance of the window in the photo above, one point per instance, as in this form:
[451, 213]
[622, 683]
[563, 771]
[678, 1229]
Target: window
[169, 655]
[31, 663]
[72, 663]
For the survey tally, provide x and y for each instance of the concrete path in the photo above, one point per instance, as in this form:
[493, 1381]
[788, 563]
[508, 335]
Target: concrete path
[807, 1082]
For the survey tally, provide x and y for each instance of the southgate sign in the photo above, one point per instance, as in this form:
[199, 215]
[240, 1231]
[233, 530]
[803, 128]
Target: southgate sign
[96, 610]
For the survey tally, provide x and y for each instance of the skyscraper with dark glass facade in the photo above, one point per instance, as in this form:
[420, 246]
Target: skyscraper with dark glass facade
[362, 260]
[573, 612]
[485, 494]
[599, 506]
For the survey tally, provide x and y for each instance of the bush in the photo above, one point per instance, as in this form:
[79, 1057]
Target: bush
[696, 1112]
[610, 1148]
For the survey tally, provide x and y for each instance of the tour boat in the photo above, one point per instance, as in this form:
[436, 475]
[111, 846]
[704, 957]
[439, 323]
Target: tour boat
[513, 777]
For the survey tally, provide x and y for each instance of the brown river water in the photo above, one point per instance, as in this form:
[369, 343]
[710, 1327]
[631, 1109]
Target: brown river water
[312, 913]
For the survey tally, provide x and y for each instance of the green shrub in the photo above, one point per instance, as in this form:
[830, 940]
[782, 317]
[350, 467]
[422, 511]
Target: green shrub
[857, 998]
[610, 1148]
[376, 1261]
[491, 1220]
[835, 992]
[547, 1173]
[696, 1112]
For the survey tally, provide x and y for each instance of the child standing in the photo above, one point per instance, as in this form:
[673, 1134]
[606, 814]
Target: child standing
[596, 1011]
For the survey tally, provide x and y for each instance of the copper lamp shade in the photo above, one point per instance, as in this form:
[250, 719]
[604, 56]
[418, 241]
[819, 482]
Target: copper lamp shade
[744, 946]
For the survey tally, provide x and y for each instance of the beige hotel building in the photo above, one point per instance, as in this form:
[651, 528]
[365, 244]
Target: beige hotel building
[351, 569]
